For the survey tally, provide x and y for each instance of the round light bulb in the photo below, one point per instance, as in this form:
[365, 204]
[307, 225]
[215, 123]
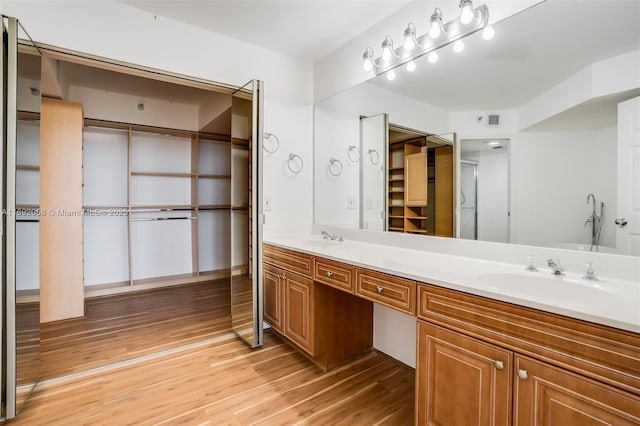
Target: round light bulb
[432, 57]
[367, 65]
[391, 75]
[488, 33]
[411, 66]
[458, 46]
[434, 31]
[466, 16]
[386, 54]
[409, 44]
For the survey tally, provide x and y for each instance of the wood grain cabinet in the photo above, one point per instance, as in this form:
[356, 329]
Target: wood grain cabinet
[546, 395]
[299, 311]
[461, 381]
[273, 297]
[486, 362]
[329, 325]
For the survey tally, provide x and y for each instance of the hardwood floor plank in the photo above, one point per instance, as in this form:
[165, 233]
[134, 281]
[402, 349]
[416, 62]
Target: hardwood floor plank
[228, 383]
[124, 326]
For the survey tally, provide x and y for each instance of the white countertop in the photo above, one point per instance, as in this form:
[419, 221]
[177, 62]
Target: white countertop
[611, 302]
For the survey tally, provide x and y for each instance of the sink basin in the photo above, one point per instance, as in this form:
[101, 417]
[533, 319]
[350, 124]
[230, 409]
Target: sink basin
[547, 287]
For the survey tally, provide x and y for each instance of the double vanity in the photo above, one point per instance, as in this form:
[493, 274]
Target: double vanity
[495, 344]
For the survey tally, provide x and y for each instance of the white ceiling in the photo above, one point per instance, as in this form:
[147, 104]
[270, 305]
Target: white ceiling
[531, 52]
[304, 29]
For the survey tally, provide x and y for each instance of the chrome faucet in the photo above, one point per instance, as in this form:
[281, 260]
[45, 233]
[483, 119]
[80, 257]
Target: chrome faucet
[328, 236]
[595, 220]
[555, 267]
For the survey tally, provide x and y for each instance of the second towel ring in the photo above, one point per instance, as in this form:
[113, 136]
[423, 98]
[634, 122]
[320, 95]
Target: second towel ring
[335, 167]
[371, 153]
[268, 136]
[292, 160]
[351, 149]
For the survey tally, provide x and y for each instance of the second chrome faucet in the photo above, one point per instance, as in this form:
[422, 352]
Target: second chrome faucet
[556, 269]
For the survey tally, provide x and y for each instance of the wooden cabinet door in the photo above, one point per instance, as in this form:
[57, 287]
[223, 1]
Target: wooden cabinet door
[415, 184]
[460, 380]
[546, 395]
[299, 311]
[272, 285]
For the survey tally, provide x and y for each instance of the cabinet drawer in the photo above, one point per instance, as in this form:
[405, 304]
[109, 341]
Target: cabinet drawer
[397, 293]
[335, 274]
[289, 260]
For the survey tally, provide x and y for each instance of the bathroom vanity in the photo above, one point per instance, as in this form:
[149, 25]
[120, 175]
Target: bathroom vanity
[486, 354]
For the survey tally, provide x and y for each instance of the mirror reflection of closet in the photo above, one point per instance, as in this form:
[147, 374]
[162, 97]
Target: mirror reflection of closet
[153, 173]
[27, 219]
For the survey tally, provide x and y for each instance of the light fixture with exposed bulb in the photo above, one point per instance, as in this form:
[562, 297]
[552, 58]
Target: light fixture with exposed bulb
[439, 34]
[387, 49]
[410, 37]
[435, 28]
[466, 14]
[367, 57]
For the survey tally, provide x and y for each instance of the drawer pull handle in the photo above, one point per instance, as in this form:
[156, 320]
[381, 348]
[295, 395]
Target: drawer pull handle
[523, 374]
[379, 288]
[499, 365]
[329, 274]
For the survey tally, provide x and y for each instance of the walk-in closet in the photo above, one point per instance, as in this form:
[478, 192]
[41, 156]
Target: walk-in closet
[135, 212]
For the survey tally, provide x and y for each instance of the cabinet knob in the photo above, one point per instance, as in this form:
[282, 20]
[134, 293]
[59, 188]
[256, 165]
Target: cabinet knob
[379, 288]
[498, 364]
[523, 374]
[329, 273]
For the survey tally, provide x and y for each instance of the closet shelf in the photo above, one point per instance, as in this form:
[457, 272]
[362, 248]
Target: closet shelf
[214, 207]
[395, 217]
[394, 228]
[104, 207]
[396, 168]
[163, 174]
[31, 167]
[172, 207]
[417, 217]
[416, 231]
[210, 176]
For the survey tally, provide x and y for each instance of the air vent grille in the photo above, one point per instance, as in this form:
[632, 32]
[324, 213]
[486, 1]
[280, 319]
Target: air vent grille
[493, 120]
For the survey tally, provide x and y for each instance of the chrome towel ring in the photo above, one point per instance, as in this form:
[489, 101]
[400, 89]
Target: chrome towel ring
[350, 153]
[292, 163]
[335, 167]
[374, 157]
[275, 145]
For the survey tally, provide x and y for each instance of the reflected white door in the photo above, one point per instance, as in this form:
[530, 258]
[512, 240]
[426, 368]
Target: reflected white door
[374, 133]
[628, 212]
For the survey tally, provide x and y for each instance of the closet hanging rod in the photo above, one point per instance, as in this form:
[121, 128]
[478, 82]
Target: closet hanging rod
[161, 209]
[156, 219]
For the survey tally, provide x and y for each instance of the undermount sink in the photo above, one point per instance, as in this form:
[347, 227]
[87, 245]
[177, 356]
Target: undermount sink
[547, 287]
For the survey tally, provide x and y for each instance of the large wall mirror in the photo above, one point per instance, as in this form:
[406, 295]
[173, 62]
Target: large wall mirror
[534, 121]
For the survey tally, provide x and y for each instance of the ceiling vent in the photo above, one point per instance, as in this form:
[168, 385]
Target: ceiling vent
[493, 120]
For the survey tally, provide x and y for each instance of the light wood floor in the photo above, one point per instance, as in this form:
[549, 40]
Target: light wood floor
[228, 383]
[120, 327]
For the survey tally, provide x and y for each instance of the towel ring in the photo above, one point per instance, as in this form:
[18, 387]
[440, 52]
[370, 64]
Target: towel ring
[291, 160]
[268, 136]
[335, 167]
[371, 157]
[351, 149]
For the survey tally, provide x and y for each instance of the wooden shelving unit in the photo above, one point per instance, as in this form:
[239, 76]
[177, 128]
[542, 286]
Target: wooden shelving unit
[202, 178]
[420, 183]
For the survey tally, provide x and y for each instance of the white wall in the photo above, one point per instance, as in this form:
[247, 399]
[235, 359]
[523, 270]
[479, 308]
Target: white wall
[551, 169]
[493, 194]
[337, 125]
[114, 30]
